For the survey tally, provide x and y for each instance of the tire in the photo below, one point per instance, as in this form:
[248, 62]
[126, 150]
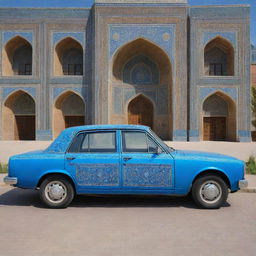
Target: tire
[210, 192]
[56, 191]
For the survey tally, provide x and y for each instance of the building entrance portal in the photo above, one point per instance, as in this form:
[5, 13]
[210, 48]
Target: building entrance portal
[140, 111]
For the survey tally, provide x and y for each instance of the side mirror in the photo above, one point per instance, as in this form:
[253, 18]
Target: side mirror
[159, 151]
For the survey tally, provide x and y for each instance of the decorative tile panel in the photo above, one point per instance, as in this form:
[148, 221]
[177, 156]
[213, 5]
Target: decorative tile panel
[162, 101]
[205, 91]
[97, 174]
[9, 91]
[79, 36]
[161, 34]
[230, 36]
[8, 35]
[148, 175]
[117, 101]
[58, 91]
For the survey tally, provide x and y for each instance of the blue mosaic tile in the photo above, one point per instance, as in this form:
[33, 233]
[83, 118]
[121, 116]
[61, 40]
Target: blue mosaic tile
[230, 36]
[161, 35]
[8, 35]
[205, 91]
[9, 91]
[141, 70]
[79, 36]
[162, 101]
[117, 101]
[58, 91]
[193, 133]
[243, 133]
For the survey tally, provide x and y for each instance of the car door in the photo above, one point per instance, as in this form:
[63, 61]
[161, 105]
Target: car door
[93, 159]
[145, 164]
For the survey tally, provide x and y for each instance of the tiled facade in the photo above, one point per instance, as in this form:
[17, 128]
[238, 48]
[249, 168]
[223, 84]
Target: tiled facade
[155, 49]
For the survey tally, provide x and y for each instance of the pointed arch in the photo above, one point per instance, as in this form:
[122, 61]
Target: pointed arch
[17, 57]
[68, 111]
[147, 49]
[219, 57]
[68, 57]
[140, 111]
[219, 118]
[19, 116]
[144, 66]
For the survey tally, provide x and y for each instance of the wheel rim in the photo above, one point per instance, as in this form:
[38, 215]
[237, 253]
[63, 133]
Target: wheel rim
[210, 192]
[55, 192]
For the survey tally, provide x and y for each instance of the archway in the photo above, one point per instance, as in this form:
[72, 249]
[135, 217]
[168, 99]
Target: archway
[219, 58]
[219, 118]
[140, 111]
[68, 58]
[17, 57]
[142, 67]
[69, 110]
[19, 117]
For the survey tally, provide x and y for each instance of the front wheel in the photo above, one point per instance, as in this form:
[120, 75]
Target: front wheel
[56, 191]
[210, 191]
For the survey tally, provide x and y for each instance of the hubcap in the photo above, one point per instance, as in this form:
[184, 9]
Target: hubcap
[55, 191]
[210, 191]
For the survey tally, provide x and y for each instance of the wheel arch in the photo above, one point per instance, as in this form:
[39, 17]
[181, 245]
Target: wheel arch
[61, 173]
[215, 172]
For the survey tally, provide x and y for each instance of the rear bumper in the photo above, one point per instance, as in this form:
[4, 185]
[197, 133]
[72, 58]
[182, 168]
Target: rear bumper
[243, 184]
[10, 180]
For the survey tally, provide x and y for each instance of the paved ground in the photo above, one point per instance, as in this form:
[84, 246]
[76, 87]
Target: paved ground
[124, 226]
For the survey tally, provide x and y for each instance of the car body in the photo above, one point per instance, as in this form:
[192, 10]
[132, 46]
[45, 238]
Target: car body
[123, 159]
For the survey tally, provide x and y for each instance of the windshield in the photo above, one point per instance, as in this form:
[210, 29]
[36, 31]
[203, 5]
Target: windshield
[161, 141]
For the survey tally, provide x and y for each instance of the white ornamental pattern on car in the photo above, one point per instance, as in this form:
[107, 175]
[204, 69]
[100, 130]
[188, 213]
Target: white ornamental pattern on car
[148, 175]
[97, 174]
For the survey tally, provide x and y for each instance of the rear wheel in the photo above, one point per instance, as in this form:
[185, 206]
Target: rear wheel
[210, 191]
[56, 191]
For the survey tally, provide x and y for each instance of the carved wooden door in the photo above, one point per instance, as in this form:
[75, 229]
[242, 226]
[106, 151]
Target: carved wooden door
[215, 128]
[140, 111]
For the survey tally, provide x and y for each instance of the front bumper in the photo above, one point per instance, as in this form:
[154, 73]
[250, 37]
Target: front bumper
[10, 180]
[243, 184]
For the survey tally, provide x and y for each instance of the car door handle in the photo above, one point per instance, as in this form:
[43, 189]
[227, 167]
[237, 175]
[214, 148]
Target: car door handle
[71, 158]
[127, 158]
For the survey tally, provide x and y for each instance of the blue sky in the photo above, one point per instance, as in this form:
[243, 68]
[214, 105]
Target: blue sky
[88, 3]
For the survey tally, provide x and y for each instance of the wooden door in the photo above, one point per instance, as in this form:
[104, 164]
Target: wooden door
[25, 127]
[140, 112]
[71, 121]
[215, 128]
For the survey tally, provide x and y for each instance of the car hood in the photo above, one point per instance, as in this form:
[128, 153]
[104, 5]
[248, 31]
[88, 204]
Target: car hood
[198, 155]
[27, 154]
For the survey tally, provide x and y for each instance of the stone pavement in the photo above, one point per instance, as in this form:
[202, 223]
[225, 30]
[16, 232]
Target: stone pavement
[251, 179]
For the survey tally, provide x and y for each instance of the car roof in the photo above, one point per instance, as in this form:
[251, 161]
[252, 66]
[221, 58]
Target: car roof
[107, 127]
[60, 144]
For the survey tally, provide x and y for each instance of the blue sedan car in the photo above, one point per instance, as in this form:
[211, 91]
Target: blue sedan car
[123, 159]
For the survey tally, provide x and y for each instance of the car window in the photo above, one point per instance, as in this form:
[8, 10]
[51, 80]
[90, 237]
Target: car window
[76, 143]
[152, 146]
[94, 142]
[138, 142]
